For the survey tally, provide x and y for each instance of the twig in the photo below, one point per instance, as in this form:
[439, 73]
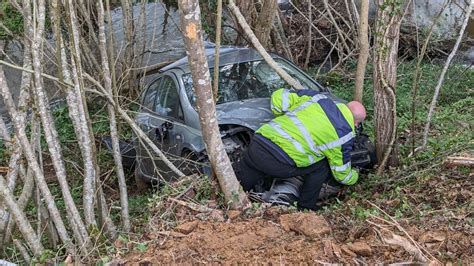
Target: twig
[192, 206]
[5, 63]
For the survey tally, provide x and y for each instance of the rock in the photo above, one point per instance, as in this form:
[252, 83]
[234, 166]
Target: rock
[360, 248]
[186, 228]
[233, 214]
[308, 224]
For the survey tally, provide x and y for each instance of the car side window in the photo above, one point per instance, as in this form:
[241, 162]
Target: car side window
[167, 103]
[150, 95]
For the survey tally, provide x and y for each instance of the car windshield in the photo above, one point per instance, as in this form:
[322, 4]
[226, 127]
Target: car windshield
[247, 80]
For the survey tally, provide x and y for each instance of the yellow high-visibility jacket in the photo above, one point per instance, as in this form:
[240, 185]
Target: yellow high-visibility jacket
[309, 127]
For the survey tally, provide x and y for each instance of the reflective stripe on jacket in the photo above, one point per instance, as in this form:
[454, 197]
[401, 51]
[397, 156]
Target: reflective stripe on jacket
[309, 126]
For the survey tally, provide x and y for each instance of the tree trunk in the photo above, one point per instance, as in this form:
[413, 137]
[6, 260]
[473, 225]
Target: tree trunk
[215, 87]
[19, 126]
[112, 119]
[51, 134]
[265, 21]
[128, 58]
[389, 16]
[24, 98]
[250, 14]
[85, 135]
[364, 50]
[310, 35]
[191, 24]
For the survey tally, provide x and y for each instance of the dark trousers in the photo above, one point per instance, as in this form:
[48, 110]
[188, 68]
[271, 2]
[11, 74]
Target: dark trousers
[258, 162]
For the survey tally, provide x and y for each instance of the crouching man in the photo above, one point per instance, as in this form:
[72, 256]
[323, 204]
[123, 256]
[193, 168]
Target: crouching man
[311, 136]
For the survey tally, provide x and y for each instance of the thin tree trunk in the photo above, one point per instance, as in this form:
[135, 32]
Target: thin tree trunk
[85, 136]
[19, 125]
[23, 200]
[142, 26]
[71, 98]
[280, 34]
[52, 140]
[443, 73]
[191, 23]
[385, 77]
[128, 58]
[20, 219]
[28, 181]
[14, 162]
[364, 50]
[240, 18]
[113, 123]
[218, 46]
[310, 35]
[265, 21]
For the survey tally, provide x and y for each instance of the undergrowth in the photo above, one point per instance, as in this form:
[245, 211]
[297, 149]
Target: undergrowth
[406, 191]
[451, 132]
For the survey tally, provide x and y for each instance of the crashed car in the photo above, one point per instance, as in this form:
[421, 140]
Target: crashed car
[168, 114]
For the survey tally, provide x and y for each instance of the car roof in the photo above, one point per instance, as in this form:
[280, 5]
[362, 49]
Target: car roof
[227, 55]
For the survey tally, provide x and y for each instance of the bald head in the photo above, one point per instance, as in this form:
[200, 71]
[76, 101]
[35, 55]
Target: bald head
[358, 111]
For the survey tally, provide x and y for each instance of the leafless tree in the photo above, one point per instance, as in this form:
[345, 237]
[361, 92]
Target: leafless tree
[191, 23]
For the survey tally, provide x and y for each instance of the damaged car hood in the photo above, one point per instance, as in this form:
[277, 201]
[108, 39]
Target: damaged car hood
[251, 113]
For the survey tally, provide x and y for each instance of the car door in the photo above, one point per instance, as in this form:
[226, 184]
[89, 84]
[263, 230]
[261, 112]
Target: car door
[168, 122]
[145, 163]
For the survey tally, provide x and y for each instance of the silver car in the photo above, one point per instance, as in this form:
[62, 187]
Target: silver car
[168, 113]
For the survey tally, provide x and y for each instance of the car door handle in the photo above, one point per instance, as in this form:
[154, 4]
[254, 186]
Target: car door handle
[162, 131]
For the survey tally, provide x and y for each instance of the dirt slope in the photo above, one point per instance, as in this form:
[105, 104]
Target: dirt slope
[289, 239]
[429, 219]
